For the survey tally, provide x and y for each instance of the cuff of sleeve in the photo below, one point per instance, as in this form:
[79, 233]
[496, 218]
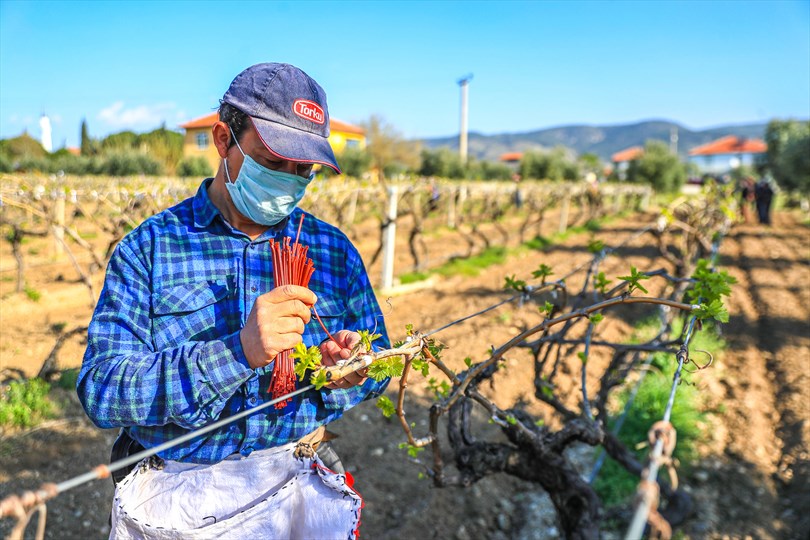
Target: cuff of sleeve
[339, 398]
[229, 365]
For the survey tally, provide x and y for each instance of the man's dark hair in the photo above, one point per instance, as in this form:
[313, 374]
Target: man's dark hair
[236, 119]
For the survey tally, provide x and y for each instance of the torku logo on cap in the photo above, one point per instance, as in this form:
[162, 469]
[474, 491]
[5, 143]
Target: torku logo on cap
[309, 110]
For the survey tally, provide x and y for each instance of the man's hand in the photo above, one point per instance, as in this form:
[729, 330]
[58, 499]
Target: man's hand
[276, 323]
[331, 353]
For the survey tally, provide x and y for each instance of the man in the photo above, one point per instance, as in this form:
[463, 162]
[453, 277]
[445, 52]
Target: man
[189, 324]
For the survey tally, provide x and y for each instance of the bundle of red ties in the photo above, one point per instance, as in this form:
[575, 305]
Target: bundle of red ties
[290, 267]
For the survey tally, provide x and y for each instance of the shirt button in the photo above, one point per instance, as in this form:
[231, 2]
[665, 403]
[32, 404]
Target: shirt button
[252, 400]
[254, 289]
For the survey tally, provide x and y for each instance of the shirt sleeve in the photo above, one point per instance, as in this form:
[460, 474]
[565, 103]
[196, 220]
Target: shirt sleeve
[363, 314]
[124, 381]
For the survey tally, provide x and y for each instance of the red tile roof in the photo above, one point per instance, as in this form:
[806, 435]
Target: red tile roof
[344, 127]
[209, 119]
[628, 154]
[202, 122]
[511, 156]
[730, 145]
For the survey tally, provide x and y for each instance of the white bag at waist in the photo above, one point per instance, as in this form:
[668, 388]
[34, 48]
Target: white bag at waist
[270, 494]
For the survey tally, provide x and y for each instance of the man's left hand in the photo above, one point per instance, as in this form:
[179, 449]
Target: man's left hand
[332, 352]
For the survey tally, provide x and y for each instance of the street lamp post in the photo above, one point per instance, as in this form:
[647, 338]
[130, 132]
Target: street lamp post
[462, 136]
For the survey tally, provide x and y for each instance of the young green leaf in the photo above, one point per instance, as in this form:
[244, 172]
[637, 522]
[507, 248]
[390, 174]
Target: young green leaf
[542, 272]
[318, 378]
[600, 282]
[366, 338]
[709, 284]
[633, 280]
[515, 284]
[386, 406]
[421, 365]
[713, 310]
[595, 246]
[305, 359]
[386, 367]
[413, 451]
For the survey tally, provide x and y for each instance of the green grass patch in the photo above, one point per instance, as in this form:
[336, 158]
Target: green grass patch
[593, 225]
[645, 329]
[25, 403]
[471, 266]
[615, 485]
[538, 243]
[413, 277]
[32, 294]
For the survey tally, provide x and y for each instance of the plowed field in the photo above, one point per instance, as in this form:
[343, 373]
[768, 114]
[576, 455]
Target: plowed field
[752, 479]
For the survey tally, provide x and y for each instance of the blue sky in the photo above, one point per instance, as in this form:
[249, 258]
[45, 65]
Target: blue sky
[135, 65]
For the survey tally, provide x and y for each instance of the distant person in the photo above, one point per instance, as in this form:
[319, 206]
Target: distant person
[190, 324]
[747, 197]
[763, 193]
[517, 196]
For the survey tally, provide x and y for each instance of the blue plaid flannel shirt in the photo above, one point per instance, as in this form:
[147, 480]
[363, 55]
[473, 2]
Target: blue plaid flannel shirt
[164, 355]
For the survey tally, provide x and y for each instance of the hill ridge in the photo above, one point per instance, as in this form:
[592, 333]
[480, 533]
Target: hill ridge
[601, 139]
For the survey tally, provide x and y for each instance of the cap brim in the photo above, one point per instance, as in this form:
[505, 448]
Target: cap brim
[295, 145]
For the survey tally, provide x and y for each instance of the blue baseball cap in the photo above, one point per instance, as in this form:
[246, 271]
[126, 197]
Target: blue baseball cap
[288, 110]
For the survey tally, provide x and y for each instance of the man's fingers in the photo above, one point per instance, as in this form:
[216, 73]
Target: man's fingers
[292, 292]
[282, 342]
[286, 325]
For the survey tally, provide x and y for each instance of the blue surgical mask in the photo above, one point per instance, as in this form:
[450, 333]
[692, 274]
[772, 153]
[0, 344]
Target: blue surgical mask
[263, 195]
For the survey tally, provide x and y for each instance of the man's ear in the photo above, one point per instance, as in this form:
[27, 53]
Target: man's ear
[222, 138]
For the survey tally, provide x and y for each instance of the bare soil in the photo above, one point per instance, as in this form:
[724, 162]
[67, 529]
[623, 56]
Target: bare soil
[752, 480]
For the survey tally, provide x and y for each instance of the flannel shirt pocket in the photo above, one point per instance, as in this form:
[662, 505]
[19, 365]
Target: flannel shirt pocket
[332, 311]
[197, 311]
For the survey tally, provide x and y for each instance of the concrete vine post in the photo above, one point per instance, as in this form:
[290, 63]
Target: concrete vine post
[566, 202]
[390, 239]
[59, 226]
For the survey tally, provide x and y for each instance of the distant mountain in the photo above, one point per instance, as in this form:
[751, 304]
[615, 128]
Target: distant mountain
[603, 141]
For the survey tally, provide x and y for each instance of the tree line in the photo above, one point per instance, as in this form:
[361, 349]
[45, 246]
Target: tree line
[157, 152]
[388, 154]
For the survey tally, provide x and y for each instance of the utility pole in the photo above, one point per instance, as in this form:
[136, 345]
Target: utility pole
[673, 140]
[462, 136]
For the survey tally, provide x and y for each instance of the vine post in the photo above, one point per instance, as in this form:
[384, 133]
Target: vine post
[564, 213]
[59, 226]
[390, 239]
[451, 208]
[352, 211]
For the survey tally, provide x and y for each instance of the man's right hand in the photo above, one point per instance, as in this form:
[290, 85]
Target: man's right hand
[276, 323]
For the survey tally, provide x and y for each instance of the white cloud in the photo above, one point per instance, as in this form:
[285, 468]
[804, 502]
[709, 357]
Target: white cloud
[119, 116]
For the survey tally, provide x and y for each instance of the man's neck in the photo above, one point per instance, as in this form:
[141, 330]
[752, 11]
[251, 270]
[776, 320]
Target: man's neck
[220, 197]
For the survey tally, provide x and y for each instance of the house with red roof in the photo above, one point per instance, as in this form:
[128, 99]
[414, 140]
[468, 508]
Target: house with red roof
[727, 153]
[621, 160]
[198, 141]
[511, 158]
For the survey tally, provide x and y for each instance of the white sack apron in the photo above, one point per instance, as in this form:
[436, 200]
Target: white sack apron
[270, 494]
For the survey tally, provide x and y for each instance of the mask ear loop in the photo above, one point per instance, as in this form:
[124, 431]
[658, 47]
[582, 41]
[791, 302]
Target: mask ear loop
[225, 160]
